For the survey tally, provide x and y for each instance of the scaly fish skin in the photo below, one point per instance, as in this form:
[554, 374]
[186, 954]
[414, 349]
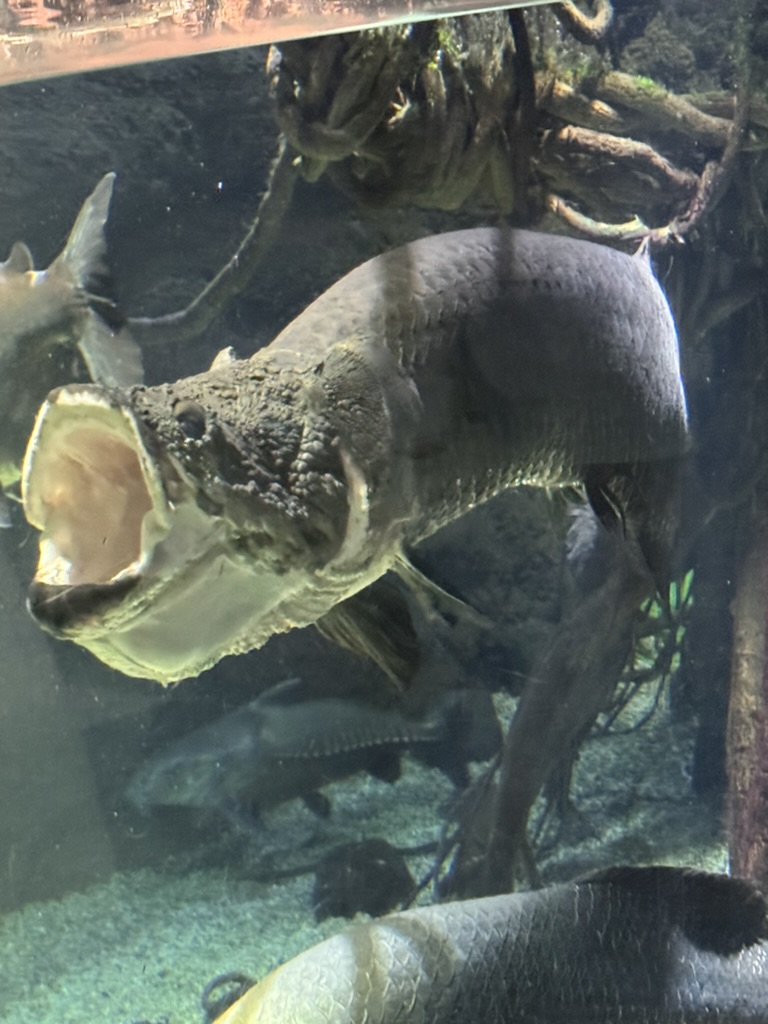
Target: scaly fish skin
[259, 495]
[44, 316]
[629, 945]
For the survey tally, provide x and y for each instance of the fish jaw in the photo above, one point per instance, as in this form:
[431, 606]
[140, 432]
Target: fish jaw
[89, 485]
[134, 564]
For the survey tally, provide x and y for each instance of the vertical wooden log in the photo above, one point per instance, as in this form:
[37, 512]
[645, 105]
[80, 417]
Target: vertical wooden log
[747, 733]
[570, 685]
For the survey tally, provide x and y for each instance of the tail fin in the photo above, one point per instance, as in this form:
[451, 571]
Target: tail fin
[110, 353]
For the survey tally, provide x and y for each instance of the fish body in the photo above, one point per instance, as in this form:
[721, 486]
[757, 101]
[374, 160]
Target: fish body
[280, 747]
[636, 945]
[256, 497]
[45, 315]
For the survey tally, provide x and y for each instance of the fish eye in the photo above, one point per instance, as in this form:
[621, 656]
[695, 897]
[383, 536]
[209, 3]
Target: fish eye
[191, 418]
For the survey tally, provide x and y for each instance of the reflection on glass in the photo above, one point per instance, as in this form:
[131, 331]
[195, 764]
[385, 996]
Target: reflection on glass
[46, 37]
[382, 433]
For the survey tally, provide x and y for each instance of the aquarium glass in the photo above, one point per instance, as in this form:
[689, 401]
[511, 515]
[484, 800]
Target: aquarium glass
[451, 585]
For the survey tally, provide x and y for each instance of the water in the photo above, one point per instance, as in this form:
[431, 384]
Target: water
[110, 914]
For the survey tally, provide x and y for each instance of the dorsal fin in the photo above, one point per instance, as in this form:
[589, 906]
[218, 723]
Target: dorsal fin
[289, 691]
[19, 259]
[715, 912]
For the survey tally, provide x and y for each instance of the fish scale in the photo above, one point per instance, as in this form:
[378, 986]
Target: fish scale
[624, 945]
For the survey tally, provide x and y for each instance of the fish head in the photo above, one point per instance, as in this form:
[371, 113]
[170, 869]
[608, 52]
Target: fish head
[179, 777]
[171, 535]
[173, 781]
[209, 767]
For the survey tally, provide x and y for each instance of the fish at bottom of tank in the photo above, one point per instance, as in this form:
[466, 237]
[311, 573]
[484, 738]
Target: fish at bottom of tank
[288, 744]
[653, 945]
[370, 877]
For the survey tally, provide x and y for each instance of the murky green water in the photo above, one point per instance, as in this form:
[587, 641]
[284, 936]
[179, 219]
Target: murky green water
[611, 658]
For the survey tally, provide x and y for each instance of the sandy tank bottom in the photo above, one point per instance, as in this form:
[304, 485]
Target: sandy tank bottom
[140, 948]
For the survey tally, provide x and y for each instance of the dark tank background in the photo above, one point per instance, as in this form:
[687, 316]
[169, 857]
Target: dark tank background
[191, 142]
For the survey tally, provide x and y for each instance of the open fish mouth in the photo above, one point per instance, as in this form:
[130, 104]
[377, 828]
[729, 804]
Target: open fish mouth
[91, 488]
[134, 563]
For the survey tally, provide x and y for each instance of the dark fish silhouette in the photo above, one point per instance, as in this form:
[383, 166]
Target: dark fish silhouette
[268, 492]
[624, 946]
[282, 746]
[369, 877]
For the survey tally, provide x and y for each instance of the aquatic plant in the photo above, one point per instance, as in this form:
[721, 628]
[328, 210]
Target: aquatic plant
[656, 654]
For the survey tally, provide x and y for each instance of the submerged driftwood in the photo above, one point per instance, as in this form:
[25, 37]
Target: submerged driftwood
[481, 112]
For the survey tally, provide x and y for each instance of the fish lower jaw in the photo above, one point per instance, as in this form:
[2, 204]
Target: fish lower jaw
[60, 608]
[169, 629]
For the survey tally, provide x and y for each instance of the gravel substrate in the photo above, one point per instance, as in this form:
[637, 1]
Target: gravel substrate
[140, 949]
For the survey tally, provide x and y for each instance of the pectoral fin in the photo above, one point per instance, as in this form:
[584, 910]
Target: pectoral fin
[385, 765]
[604, 503]
[432, 599]
[376, 623]
[317, 803]
[111, 356]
